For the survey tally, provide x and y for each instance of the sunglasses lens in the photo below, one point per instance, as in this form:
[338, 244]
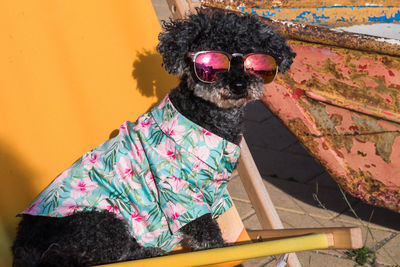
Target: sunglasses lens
[208, 64]
[262, 65]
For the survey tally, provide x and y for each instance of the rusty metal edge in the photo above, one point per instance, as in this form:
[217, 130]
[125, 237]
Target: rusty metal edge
[327, 36]
[304, 3]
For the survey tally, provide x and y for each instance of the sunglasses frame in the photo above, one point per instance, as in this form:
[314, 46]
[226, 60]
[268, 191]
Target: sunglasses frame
[194, 55]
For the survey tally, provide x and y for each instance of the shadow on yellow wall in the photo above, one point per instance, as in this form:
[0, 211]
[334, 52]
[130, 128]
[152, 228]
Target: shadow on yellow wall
[16, 192]
[67, 83]
[150, 81]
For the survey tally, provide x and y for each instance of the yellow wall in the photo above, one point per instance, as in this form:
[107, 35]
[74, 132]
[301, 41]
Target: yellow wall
[70, 73]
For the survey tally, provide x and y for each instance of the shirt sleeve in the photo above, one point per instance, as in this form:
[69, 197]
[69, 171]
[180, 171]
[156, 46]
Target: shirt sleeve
[180, 202]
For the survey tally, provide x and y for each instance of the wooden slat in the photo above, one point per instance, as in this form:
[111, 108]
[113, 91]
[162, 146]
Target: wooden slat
[181, 8]
[259, 196]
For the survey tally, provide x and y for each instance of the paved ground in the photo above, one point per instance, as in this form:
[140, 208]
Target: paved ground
[304, 194]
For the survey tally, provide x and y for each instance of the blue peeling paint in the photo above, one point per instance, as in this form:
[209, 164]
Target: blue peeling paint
[319, 18]
[268, 13]
[310, 17]
[301, 16]
[385, 19]
[253, 11]
[242, 9]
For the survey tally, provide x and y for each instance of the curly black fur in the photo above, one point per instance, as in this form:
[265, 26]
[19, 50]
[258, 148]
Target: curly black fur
[203, 233]
[88, 238]
[82, 239]
[222, 31]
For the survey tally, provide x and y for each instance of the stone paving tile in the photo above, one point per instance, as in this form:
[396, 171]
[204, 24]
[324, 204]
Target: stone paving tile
[260, 262]
[320, 259]
[245, 209]
[285, 165]
[305, 199]
[378, 218]
[252, 223]
[236, 189]
[389, 254]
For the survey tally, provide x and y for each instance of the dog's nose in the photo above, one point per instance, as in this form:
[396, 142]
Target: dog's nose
[238, 86]
[238, 89]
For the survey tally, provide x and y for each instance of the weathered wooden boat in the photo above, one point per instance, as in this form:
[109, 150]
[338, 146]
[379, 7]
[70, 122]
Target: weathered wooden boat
[341, 97]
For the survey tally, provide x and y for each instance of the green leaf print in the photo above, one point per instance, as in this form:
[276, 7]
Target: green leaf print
[116, 195]
[156, 138]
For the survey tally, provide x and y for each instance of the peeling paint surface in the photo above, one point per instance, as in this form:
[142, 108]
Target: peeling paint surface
[334, 15]
[388, 30]
[341, 97]
[344, 106]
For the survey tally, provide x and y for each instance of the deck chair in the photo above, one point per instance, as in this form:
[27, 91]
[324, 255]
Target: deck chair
[72, 72]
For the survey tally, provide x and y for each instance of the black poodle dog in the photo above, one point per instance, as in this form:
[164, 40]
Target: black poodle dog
[163, 179]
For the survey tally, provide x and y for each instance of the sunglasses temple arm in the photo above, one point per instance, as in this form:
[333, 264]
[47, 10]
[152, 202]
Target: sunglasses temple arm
[191, 55]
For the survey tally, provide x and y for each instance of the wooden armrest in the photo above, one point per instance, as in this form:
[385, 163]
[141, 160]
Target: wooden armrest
[343, 237]
[238, 252]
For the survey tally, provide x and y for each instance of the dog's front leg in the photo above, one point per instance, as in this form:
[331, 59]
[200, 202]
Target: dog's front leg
[203, 233]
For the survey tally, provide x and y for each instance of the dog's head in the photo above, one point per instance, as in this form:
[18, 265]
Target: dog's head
[238, 40]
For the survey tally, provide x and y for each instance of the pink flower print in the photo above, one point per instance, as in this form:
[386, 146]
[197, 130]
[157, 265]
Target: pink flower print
[149, 178]
[177, 184]
[81, 187]
[140, 217]
[124, 129]
[167, 149]
[145, 125]
[34, 208]
[211, 139]
[150, 236]
[68, 207]
[231, 149]
[163, 102]
[163, 221]
[173, 129]
[177, 238]
[174, 211]
[219, 178]
[202, 152]
[103, 204]
[196, 196]
[125, 171]
[62, 176]
[139, 222]
[194, 136]
[91, 159]
[222, 176]
[112, 208]
[140, 242]
[137, 152]
[198, 165]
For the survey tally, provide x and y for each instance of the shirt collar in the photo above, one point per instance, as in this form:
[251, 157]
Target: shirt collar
[190, 136]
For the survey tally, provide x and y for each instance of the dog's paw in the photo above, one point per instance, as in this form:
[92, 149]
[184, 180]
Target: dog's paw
[203, 233]
[207, 244]
[147, 252]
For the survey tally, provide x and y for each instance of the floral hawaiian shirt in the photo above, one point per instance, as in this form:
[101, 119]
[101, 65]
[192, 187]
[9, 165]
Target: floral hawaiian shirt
[157, 175]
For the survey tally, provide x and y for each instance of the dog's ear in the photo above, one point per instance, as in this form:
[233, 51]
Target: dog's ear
[175, 42]
[286, 55]
[276, 45]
